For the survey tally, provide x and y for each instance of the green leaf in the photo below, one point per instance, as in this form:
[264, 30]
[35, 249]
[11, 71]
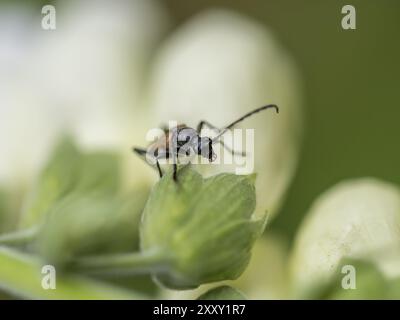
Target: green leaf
[99, 171]
[70, 170]
[3, 211]
[222, 293]
[87, 224]
[10, 203]
[56, 179]
[20, 275]
[19, 237]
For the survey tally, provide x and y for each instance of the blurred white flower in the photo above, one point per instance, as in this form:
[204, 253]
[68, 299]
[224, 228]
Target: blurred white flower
[85, 77]
[89, 77]
[354, 219]
[217, 67]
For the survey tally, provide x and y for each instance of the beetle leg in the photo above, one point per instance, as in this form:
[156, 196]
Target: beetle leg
[139, 151]
[203, 123]
[142, 154]
[175, 167]
[159, 169]
[211, 126]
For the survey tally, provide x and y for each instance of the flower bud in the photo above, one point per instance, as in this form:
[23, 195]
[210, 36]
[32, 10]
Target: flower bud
[205, 226]
[357, 219]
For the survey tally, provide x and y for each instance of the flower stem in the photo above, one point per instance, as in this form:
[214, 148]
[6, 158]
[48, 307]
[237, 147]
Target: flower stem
[20, 237]
[134, 263]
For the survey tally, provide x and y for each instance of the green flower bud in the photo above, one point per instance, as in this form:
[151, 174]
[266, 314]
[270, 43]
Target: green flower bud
[204, 226]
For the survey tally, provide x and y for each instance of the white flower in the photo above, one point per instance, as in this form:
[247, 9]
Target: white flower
[85, 77]
[355, 219]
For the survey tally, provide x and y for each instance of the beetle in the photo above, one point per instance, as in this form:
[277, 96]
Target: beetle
[182, 140]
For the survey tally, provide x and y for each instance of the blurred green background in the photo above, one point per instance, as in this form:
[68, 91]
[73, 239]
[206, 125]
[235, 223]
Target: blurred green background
[351, 82]
[351, 95]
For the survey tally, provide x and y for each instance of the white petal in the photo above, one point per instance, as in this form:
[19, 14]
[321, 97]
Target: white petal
[356, 219]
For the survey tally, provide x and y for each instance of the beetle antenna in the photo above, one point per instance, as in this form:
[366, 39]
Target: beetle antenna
[224, 130]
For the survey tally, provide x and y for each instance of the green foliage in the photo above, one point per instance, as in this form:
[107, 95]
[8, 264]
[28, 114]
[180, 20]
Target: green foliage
[77, 208]
[205, 225]
[222, 293]
[3, 211]
[90, 224]
[9, 207]
[192, 232]
[20, 275]
[69, 170]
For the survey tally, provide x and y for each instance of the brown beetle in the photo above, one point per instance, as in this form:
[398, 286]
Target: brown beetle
[182, 140]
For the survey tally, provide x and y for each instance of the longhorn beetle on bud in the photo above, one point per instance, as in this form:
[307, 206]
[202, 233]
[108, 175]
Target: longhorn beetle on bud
[181, 139]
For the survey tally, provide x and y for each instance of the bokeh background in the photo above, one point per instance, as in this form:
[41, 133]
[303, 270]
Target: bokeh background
[349, 82]
[351, 104]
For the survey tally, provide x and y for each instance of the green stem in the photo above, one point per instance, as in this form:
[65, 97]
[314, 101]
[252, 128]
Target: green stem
[138, 262]
[19, 237]
[21, 276]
